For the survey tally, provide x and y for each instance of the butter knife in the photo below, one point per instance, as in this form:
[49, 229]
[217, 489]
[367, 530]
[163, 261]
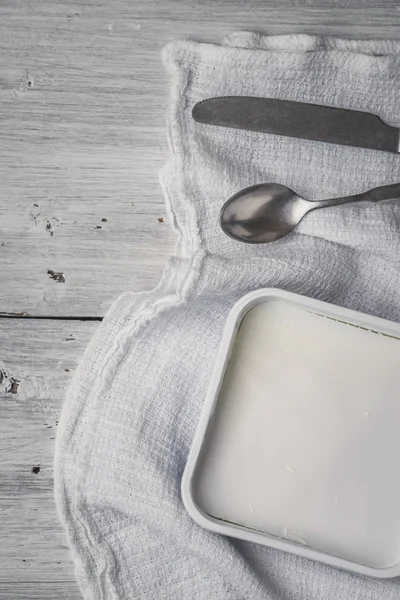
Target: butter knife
[299, 120]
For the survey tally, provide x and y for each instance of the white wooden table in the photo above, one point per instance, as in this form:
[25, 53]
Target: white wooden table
[83, 95]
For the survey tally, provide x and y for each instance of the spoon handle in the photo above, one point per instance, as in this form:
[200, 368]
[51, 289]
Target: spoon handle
[378, 194]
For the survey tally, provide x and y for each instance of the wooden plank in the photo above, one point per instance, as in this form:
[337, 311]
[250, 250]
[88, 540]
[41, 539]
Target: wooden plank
[82, 140]
[83, 96]
[63, 590]
[36, 364]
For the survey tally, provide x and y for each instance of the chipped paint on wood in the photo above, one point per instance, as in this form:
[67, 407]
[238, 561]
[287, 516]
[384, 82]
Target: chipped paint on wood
[37, 356]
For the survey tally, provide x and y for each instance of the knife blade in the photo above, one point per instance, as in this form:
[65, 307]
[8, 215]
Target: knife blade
[299, 120]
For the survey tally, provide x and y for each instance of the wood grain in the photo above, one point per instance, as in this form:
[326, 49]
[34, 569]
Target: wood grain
[39, 357]
[63, 590]
[80, 142]
[83, 95]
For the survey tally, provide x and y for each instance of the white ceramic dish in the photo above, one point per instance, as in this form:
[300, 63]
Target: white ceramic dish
[297, 447]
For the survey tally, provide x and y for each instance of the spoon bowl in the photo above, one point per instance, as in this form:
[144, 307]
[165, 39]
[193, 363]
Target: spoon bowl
[269, 211]
[263, 213]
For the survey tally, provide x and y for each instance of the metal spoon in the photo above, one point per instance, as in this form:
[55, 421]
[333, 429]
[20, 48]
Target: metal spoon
[269, 211]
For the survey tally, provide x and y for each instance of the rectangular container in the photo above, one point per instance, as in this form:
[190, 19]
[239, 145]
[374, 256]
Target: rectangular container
[367, 469]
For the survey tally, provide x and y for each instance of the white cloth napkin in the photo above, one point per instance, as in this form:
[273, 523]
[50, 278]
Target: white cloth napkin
[132, 409]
